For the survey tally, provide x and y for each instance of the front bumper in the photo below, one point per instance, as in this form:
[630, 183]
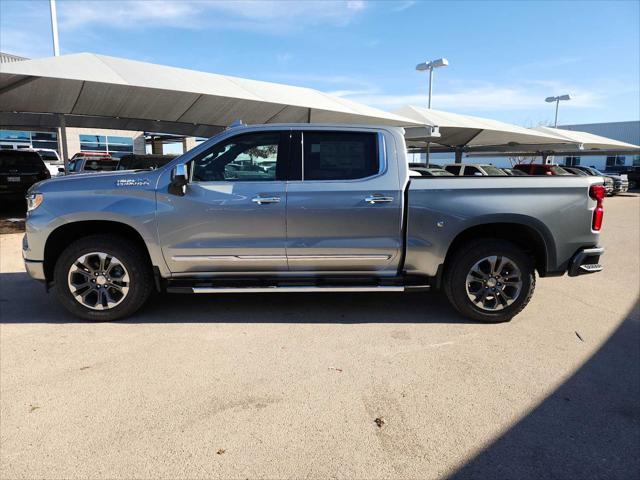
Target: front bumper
[621, 188]
[586, 261]
[35, 269]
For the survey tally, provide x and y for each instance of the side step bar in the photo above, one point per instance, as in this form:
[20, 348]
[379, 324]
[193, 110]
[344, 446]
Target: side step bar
[298, 289]
[284, 289]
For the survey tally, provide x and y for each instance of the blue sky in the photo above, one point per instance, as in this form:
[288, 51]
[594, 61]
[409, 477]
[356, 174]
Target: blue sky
[505, 57]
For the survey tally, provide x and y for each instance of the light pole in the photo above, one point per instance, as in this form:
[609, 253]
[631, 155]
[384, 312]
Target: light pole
[557, 100]
[433, 64]
[62, 130]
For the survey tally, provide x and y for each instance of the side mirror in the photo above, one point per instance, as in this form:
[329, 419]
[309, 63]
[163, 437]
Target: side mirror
[179, 179]
[60, 169]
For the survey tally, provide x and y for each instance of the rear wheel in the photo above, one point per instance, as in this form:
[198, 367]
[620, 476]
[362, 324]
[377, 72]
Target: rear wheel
[102, 278]
[490, 280]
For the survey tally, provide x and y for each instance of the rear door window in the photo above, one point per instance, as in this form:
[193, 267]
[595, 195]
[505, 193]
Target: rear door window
[339, 155]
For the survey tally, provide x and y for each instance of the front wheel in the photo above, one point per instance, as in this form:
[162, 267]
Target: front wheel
[102, 278]
[490, 280]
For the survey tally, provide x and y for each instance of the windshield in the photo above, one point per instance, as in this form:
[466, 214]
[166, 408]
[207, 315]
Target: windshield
[439, 173]
[491, 170]
[48, 156]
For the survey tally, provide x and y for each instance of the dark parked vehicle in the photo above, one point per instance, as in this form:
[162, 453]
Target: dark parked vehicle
[144, 162]
[608, 181]
[620, 181]
[540, 169]
[632, 173]
[19, 169]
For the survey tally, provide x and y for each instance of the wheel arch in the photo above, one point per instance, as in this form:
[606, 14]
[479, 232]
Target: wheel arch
[533, 239]
[62, 236]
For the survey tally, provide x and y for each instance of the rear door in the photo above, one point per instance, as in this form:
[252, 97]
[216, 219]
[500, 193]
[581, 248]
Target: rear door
[344, 204]
[232, 216]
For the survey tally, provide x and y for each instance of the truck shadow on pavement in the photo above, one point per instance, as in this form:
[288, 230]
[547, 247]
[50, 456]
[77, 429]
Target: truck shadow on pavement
[24, 301]
[588, 428]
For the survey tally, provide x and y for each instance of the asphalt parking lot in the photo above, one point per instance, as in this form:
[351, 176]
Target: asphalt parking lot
[290, 386]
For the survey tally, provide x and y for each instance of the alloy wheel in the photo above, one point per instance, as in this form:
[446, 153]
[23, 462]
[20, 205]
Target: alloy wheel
[98, 281]
[494, 282]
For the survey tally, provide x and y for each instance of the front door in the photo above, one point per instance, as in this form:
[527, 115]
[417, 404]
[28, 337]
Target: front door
[344, 214]
[232, 216]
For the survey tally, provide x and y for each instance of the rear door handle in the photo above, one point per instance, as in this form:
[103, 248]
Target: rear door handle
[378, 198]
[260, 200]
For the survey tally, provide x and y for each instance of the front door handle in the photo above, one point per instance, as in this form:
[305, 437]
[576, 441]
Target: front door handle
[260, 200]
[378, 198]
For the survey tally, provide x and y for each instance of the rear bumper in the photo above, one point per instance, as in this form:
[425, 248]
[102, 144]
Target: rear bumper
[586, 261]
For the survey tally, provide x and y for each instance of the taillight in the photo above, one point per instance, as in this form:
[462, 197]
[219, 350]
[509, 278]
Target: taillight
[45, 174]
[597, 192]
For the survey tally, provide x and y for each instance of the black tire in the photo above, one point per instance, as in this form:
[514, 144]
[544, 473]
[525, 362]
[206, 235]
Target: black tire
[137, 266]
[455, 279]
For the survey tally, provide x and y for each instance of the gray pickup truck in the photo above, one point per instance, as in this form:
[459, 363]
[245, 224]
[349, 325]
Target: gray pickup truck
[307, 208]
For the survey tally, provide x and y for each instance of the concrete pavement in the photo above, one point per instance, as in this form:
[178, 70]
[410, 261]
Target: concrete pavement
[289, 386]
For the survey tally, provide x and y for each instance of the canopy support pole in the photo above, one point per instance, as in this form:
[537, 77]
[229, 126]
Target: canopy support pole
[458, 154]
[62, 139]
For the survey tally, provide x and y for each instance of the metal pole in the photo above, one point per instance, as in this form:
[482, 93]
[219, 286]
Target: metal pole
[430, 85]
[555, 124]
[62, 130]
[429, 105]
[54, 27]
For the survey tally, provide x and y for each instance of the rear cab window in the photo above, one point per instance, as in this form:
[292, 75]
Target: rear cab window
[455, 169]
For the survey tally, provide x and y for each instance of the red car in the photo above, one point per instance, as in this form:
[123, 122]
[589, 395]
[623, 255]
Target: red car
[540, 169]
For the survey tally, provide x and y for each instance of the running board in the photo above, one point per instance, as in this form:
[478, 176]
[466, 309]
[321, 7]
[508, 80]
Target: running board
[294, 289]
[299, 289]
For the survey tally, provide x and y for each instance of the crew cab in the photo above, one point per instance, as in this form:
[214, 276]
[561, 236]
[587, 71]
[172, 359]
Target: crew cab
[318, 208]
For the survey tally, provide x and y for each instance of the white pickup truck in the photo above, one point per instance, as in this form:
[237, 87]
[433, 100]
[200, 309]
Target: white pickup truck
[300, 208]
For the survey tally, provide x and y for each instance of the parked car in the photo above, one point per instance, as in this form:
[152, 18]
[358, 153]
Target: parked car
[620, 181]
[143, 162]
[19, 170]
[91, 164]
[608, 181]
[540, 169]
[339, 214]
[470, 170]
[513, 173]
[51, 160]
[424, 171]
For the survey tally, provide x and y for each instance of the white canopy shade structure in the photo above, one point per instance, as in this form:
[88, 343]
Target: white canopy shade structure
[588, 142]
[97, 91]
[475, 133]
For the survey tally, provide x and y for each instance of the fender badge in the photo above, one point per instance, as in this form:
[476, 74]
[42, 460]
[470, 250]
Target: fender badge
[132, 182]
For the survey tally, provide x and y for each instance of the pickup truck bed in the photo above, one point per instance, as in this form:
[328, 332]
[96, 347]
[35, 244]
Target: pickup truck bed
[300, 207]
